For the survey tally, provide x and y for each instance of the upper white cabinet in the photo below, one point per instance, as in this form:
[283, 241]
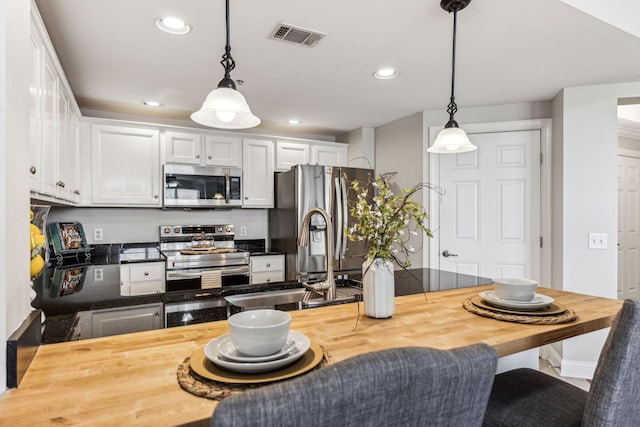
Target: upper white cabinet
[330, 155]
[291, 153]
[202, 149]
[125, 165]
[257, 173]
[54, 123]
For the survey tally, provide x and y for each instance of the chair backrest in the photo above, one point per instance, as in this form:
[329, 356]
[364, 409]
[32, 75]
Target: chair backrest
[613, 395]
[404, 386]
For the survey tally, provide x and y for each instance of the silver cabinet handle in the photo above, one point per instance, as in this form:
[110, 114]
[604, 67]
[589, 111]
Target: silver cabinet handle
[155, 196]
[447, 254]
[209, 157]
[197, 156]
[60, 184]
[268, 264]
[146, 273]
[32, 169]
[76, 192]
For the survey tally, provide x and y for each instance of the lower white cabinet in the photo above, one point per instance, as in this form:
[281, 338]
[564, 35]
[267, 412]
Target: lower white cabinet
[267, 269]
[119, 320]
[125, 166]
[142, 278]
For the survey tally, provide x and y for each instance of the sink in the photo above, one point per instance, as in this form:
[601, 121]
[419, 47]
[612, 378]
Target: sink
[267, 299]
[346, 291]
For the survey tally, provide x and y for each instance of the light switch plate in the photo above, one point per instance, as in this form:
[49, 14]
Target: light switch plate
[597, 241]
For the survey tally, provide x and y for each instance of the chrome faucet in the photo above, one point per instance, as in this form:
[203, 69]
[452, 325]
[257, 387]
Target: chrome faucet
[328, 287]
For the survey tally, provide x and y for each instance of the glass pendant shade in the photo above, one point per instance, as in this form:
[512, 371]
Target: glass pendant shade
[451, 140]
[225, 108]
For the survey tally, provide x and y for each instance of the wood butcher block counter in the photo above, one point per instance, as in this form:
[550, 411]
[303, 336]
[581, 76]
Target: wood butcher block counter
[131, 379]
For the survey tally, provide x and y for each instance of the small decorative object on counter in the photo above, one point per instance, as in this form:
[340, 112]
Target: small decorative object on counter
[389, 224]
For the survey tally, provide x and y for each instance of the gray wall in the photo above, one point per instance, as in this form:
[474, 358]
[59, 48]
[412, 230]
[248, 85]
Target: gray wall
[132, 225]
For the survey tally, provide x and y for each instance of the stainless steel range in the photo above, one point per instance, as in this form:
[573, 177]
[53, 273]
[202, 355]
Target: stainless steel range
[202, 256]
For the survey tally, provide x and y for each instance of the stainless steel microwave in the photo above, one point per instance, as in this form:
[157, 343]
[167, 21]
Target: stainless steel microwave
[202, 187]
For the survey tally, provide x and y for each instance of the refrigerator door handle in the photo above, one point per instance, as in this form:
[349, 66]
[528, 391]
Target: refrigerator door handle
[338, 225]
[345, 216]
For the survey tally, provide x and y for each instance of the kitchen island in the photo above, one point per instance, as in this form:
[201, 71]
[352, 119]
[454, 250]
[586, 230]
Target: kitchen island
[131, 379]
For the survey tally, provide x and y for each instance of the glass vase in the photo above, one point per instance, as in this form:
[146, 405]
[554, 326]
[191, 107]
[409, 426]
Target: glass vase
[378, 288]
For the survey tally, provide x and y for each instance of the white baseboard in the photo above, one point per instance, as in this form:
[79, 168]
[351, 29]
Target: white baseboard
[571, 368]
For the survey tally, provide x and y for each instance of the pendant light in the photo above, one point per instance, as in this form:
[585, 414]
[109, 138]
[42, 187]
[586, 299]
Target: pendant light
[452, 139]
[225, 107]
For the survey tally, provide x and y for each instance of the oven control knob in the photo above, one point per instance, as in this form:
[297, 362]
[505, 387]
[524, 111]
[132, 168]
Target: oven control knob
[176, 230]
[219, 229]
[228, 229]
[167, 230]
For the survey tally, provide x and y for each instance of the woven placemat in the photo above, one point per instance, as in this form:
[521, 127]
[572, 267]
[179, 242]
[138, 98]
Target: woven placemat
[210, 389]
[567, 316]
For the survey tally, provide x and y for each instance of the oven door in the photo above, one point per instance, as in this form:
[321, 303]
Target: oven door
[182, 280]
[190, 312]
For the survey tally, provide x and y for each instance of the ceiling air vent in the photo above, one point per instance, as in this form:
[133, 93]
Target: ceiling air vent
[296, 35]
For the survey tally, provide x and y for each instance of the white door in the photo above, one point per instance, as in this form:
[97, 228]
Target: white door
[489, 217]
[628, 232]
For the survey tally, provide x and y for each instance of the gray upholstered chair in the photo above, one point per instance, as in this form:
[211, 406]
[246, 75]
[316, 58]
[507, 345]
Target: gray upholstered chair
[526, 397]
[408, 386]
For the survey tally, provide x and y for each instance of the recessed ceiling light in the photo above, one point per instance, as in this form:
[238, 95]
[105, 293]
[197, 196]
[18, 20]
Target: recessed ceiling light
[385, 73]
[152, 104]
[173, 25]
[294, 122]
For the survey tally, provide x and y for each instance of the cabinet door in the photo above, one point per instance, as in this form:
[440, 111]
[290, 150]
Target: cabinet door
[183, 147]
[73, 156]
[125, 166]
[49, 126]
[223, 151]
[64, 147]
[257, 173]
[329, 155]
[289, 154]
[126, 320]
[35, 110]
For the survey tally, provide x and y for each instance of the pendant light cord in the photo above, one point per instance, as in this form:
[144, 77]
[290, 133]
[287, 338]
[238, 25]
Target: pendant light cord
[452, 108]
[227, 60]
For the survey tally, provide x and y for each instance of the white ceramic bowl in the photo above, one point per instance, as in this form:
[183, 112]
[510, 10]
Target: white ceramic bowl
[259, 332]
[515, 289]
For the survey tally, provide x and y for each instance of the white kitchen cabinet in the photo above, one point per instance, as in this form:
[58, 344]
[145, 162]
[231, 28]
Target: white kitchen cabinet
[142, 278]
[330, 155]
[125, 166]
[183, 147]
[223, 151]
[257, 173]
[291, 153]
[197, 148]
[54, 123]
[266, 269]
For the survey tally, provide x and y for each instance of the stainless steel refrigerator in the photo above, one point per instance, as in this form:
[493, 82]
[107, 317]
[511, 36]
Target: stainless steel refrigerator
[305, 187]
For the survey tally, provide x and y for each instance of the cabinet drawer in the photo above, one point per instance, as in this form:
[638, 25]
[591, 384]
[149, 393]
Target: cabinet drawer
[146, 272]
[267, 277]
[267, 263]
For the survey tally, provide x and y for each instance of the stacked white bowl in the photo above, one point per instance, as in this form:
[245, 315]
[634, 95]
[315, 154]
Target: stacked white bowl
[259, 332]
[513, 289]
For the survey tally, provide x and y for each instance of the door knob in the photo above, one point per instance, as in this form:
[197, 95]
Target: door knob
[447, 254]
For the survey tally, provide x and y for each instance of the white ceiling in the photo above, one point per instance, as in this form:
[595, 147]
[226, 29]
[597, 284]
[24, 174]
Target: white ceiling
[508, 51]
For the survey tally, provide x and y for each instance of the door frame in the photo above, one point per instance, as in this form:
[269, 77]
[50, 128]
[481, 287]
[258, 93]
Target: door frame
[431, 174]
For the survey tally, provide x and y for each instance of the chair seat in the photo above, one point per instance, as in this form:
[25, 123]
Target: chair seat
[527, 398]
